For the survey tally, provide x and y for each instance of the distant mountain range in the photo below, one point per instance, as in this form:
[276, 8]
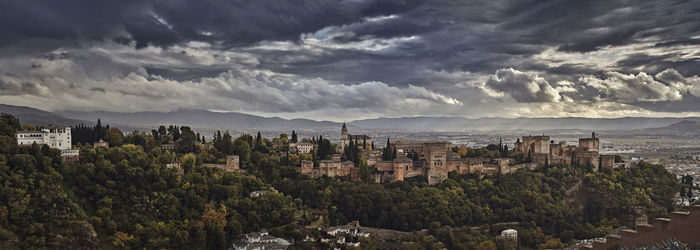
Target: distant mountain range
[38, 117]
[689, 128]
[494, 124]
[234, 120]
[201, 119]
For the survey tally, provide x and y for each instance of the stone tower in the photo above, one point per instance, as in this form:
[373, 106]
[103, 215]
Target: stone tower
[344, 138]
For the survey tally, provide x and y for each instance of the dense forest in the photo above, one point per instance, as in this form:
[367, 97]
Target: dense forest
[125, 197]
[534, 199]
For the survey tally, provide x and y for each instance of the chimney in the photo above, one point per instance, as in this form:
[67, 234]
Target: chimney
[593, 135]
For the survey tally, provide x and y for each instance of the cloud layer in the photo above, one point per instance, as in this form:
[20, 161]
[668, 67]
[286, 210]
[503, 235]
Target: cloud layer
[53, 82]
[352, 59]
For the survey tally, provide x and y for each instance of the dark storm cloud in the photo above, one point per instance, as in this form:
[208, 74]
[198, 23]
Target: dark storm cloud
[476, 36]
[656, 63]
[484, 36]
[167, 22]
[531, 52]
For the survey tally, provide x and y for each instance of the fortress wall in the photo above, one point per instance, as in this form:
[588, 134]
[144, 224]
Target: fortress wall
[682, 226]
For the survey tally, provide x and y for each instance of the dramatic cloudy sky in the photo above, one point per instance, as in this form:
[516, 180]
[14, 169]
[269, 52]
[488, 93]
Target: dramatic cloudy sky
[353, 59]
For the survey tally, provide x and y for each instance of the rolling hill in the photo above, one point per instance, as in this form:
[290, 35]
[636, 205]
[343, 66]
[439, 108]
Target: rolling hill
[235, 120]
[38, 117]
[201, 119]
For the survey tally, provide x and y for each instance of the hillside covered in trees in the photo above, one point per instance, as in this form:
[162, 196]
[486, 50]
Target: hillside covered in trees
[122, 197]
[125, 197]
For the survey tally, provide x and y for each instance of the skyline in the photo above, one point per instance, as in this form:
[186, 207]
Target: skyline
[350, 60]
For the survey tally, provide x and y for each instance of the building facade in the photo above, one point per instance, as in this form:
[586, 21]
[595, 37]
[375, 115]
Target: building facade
[361, 141]
[304, 147]
[587, 153]
[260, 241]
[59, 138]
[533, 144]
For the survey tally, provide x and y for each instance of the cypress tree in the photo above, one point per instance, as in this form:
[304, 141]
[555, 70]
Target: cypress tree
[98, 130]
[324, 148]
[356, 156]
[573, 160]
[349, 152]
[155, 135]
[386, 154]
[500, 145]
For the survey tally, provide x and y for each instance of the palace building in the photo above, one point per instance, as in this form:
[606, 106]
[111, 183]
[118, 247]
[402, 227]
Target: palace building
[59, 138]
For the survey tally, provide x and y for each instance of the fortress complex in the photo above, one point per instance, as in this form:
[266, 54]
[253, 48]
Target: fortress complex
[533, 144]
[436, 159]
[330, 168]
[542, 150]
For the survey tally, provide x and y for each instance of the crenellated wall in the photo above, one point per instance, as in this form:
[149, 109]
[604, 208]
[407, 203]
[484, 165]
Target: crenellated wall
[682, 226]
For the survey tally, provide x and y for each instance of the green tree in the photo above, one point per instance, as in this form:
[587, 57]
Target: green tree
[115, 137]
[294, 136]
[242, 149]
[486, 245]
[188, 141]
[225, 145]
[187, 162]
[8, 125]
[553, 244]
[363, 170]
[162, 132]
[387, 154]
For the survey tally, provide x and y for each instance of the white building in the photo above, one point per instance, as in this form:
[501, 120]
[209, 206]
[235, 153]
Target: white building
[59, 138]
[304, 147]
[510, 234]
[260, 241]
[70, 154]
[352, 228]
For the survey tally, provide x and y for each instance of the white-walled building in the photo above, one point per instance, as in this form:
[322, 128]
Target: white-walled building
[260, 241]
[59, 138]
[510, 234]
[304, 147]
